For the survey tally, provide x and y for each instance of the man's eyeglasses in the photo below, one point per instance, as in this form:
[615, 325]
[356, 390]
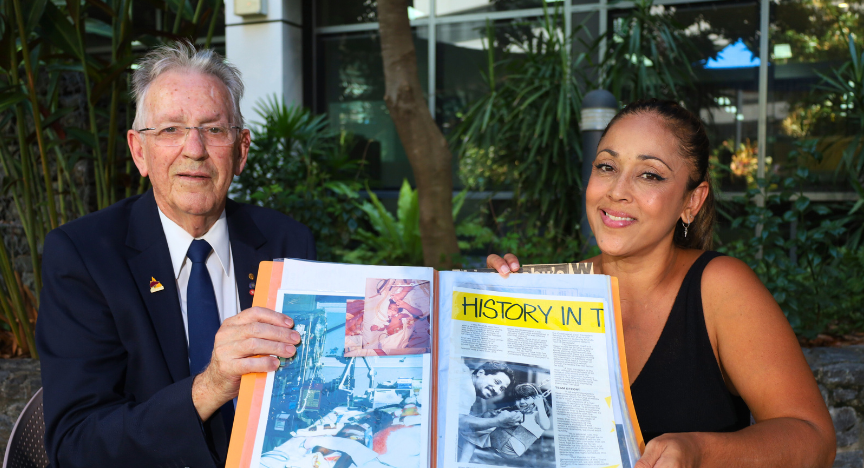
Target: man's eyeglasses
[213, 135]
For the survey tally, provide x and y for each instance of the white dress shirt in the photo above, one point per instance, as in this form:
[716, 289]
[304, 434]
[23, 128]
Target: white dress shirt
[220, 265]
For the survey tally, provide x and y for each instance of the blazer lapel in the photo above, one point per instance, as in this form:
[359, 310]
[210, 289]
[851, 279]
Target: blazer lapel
[246, 243]
[154, 261]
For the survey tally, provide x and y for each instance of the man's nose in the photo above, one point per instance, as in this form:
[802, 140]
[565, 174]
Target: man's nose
[194, 146]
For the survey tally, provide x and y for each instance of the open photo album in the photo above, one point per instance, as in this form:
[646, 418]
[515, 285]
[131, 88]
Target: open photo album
[407, 367]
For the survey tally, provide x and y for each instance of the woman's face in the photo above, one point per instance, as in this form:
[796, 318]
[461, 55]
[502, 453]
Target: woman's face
[638, 187]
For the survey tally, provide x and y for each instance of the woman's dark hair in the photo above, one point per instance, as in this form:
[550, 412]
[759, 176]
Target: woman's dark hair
[694, 148]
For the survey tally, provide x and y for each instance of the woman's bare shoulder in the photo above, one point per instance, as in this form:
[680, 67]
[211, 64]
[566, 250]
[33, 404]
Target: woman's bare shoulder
[737, 305]
[724, 273]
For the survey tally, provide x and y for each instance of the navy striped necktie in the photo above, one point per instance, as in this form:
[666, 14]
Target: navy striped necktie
[202, 314]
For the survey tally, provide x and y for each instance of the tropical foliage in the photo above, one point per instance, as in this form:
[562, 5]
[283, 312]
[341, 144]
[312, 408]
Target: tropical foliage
[395, 240]
[300, 166]
[802, 254]
[64, 155]
[524, 132]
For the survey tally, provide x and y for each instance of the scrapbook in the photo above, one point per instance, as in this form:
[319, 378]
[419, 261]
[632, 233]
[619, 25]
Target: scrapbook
[408, 367]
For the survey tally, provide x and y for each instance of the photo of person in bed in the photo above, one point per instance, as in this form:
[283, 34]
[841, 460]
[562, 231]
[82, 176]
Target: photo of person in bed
[395, 318]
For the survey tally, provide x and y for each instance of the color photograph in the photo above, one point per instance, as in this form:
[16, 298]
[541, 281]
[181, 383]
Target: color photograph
[395, 319]
[327, 410]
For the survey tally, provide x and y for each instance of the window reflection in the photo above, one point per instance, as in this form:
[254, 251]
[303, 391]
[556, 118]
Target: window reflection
[351, 92]
[809, 38]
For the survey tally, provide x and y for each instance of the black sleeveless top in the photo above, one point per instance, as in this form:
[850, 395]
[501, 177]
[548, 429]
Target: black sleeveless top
[681, 389]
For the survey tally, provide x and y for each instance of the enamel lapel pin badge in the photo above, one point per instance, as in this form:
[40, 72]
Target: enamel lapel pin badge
[155, 285]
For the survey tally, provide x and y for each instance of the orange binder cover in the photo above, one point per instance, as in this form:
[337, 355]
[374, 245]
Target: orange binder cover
[252, 385]
[622, 358]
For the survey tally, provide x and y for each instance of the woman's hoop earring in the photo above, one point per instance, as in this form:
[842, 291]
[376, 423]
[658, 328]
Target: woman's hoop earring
[686, 226]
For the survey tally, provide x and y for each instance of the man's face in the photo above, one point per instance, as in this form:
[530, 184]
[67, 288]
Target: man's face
[489, 385]
[193, 179]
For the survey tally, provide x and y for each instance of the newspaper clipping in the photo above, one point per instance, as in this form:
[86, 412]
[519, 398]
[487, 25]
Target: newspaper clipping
[513, 358]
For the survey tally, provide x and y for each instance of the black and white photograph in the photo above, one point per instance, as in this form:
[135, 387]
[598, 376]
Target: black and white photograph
[505, 414]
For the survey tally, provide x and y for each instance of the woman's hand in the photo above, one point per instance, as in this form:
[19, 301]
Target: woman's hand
[672, 451]
[504, 266]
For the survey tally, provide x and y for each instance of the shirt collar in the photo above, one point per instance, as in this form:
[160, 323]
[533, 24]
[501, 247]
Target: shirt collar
[179, 241]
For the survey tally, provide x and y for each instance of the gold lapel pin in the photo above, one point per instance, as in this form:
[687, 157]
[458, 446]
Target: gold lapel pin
[155, 285]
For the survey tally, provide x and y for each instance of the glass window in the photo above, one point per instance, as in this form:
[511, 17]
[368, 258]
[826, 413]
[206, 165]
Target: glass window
[340, 12]
[462, 62]
[461, 7]
[336, 12]
[727, 80]
[350, 89]
[808, 38]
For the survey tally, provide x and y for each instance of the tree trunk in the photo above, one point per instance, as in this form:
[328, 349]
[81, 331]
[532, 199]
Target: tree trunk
[426, 147]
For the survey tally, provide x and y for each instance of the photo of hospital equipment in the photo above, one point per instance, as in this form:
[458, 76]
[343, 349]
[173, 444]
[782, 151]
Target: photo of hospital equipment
[329, 411]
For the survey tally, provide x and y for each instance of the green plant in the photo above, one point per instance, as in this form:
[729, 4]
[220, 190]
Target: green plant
[299, 166]
[536, 246]
[395, 240]
[801, 256]
[844, 86]
[524, 130]
[647, 55]
[44, 47]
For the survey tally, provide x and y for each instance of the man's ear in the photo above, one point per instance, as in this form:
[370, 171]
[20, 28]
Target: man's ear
[245, 139]
[480, 372]
[136, 147]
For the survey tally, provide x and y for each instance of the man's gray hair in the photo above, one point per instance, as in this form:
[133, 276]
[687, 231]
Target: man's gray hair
[184, 57]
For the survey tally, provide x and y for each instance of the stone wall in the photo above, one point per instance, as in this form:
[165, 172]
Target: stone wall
[839, 372]
[19, 380]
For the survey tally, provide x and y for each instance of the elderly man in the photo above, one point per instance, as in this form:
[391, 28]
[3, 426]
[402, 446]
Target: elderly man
[140, 328]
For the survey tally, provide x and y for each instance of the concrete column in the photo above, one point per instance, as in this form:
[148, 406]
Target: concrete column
[268, 49]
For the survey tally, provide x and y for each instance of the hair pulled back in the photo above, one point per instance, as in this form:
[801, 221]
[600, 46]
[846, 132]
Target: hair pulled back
[694, 147]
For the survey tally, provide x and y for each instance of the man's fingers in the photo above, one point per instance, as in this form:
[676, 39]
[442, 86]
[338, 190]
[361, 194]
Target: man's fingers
[256, 364]
[257, 346]
[261, 314]
[268, 332]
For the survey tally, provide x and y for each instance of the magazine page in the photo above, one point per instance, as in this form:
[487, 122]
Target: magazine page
[581, 268]
[357, 391]
[530, 374]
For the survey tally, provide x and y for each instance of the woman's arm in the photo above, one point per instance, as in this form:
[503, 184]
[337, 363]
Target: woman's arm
[762, 361]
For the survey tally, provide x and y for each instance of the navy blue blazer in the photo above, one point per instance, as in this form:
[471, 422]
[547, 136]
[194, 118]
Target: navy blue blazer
[115, 366]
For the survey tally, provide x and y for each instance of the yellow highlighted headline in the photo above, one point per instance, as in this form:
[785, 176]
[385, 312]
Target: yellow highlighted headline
[543, 314]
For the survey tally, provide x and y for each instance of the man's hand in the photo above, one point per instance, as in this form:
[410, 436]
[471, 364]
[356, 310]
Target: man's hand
[504, 266]
[244, 344]
[508, 419]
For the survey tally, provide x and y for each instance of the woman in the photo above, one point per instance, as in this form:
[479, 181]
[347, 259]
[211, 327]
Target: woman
[705, 340]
